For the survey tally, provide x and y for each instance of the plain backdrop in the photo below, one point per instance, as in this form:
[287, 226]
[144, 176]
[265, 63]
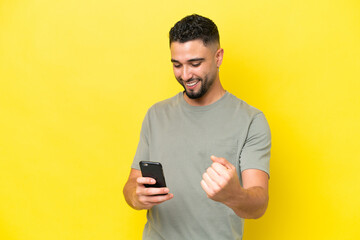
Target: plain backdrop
[76, 79]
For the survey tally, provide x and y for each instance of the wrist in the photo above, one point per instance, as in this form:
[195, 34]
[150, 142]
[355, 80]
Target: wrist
[239, 195]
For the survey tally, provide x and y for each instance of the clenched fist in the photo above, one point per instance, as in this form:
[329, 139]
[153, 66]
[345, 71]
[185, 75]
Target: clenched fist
[220, 181]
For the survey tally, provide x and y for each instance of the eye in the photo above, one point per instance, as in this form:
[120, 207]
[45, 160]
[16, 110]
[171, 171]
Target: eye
[196, 64]
[176, 65]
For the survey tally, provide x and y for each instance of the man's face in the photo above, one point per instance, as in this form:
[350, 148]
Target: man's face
[195, 66]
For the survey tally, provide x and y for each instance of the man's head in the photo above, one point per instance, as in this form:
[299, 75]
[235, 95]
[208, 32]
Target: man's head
[196, 55]
[194, 27]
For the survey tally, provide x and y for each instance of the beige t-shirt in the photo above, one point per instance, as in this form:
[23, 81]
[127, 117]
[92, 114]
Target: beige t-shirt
[182, 138]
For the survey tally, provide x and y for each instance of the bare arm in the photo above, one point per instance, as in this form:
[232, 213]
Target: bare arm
[221, 183]
[251, 200]
[139, 197]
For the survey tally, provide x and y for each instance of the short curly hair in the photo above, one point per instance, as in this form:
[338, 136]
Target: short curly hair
[194, 27]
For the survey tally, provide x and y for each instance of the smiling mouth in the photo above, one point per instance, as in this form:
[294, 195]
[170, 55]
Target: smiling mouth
[192, 84]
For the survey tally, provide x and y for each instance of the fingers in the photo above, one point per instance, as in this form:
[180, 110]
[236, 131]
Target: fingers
[212, 181]
[142, 190]
[221, 170]
[222, 161]
[217, 177]
[154, 200]
[145, 180]
[151, 196]
[148, 201]
[218, 174]
[206, 188]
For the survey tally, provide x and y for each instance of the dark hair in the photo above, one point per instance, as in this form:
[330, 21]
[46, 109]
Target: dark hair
[194, 27]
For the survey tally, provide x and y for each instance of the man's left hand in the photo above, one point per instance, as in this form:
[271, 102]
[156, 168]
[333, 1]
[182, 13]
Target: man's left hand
[220, 181]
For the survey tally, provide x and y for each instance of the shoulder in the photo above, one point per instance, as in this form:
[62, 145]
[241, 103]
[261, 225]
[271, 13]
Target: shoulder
[165, 105]
[255, 118]
[242, 108]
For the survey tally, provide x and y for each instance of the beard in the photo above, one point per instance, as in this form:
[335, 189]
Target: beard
[205, 85]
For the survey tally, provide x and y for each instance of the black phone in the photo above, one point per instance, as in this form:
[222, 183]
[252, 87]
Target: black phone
[153, 170]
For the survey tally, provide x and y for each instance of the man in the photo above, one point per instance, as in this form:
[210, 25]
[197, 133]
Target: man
[214, 148]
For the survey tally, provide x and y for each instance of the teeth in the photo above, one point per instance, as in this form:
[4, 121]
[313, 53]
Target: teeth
[192, 84]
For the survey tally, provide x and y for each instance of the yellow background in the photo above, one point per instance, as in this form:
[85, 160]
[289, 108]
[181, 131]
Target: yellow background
[78, 76]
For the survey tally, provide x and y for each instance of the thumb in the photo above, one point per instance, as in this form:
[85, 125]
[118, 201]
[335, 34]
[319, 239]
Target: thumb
[222, 161]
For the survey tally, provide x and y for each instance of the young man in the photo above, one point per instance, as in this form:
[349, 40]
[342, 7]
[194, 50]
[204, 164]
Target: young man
[214, 148]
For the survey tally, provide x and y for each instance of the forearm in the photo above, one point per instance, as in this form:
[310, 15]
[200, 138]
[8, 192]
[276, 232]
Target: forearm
[249, 203]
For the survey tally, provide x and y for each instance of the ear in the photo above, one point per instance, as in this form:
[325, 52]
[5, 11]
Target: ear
[219, 57]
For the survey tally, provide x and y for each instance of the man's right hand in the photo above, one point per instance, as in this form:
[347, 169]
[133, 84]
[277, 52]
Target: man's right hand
[139, 197]
[147, 197]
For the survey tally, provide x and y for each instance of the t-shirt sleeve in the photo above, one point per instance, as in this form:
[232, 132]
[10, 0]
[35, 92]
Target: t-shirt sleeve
[256, 150]
[142, 151]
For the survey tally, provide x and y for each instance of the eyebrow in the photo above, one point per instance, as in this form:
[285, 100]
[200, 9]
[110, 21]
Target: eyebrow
[190, 60]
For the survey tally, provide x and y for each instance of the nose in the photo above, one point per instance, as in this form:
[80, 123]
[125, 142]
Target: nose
[186, 74]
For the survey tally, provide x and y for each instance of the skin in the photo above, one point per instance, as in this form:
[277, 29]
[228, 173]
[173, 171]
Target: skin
[221, 183]
[195, 62]
[139, 197]
[192, 60]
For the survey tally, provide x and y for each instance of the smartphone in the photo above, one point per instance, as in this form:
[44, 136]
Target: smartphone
[153, 170]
